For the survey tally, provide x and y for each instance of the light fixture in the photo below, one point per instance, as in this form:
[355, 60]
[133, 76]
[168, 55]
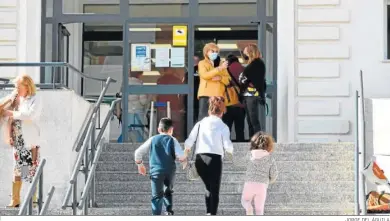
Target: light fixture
[151, 73]
[227, 46]
[214, 29]
[154, 46]
[144, 29]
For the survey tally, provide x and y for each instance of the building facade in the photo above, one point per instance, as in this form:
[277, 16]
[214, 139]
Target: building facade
[314, 50]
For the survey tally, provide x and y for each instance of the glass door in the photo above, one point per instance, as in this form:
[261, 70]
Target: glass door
[231, 40]
[156, 69]
[268, 50]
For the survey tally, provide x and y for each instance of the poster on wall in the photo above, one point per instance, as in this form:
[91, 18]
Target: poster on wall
[177, 57]
[140, 57]
[179, 36]
[162, 57]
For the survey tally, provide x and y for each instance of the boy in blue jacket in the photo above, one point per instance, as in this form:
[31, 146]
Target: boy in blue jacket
[163, 149]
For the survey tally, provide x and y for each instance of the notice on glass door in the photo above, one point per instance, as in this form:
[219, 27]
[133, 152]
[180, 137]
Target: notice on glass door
[177, 57]
[162, 57]
[140, 57]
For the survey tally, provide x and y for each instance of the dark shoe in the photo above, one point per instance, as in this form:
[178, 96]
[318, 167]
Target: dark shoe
[169, 213]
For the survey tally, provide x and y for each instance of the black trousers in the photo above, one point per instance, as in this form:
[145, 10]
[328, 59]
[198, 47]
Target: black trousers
[252, 108]
[203, 107]
[236, 115]
[209, 168]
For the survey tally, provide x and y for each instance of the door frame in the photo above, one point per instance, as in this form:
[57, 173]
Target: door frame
[192, 20]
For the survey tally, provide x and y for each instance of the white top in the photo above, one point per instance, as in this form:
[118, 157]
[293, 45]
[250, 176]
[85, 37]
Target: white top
[214, 137]
[29, 113]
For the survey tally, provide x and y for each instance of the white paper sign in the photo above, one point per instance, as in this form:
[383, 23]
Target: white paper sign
[177, 57]
[140, 57]
[162, 57]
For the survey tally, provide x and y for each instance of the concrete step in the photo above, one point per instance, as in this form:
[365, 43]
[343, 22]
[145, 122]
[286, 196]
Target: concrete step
[320, 176]
[228, 209]
[231, 187]
[198, 197]
[242, 156]
[144, 210]
[283, 166]
[244, 147]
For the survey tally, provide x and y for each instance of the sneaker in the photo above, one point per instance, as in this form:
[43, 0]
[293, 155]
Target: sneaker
[169, 213]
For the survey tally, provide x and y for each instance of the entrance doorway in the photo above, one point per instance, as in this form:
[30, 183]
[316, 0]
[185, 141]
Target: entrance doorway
[232, 40]
[169, 81]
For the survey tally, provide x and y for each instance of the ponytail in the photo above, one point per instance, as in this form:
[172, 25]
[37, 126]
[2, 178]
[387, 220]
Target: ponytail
[217, 106]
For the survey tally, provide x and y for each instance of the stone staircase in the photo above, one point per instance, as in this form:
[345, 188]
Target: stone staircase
[314, 179]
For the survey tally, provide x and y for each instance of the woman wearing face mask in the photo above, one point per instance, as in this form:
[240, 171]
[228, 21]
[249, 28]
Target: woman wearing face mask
[213, 80]
[253, 86]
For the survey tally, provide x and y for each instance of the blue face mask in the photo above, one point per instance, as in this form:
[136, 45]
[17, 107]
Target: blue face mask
[213, 56]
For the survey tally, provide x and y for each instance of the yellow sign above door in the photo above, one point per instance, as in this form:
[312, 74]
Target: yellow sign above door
[179, 36]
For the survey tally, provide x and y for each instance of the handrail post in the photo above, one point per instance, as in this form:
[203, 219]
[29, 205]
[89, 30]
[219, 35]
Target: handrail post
[362, 149]
[169, 114]
[151, 125]
[74, 203]
[93, 150]
[30, 207]
[357, 173]
[54, 78]
[40, 193]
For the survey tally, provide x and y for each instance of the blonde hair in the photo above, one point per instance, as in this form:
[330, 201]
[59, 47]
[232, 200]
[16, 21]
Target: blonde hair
[262, 141]
[208, 47]
[253, 52]
[27, 81]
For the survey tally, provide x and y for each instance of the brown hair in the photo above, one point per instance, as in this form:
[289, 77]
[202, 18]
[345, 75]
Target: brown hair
[262, 141]
[217, 106]
[207, 48]
[253, 52]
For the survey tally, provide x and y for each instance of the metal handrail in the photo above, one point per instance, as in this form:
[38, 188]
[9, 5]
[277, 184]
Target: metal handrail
[5, 80]
[54, 65]
[47, 201]
[27, 205]
[76, 168]
[356, 156]
[95, 110]
[84, 196]
[360, 151]
[89, 156]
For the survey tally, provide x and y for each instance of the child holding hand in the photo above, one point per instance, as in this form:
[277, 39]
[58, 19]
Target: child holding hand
[163, 149]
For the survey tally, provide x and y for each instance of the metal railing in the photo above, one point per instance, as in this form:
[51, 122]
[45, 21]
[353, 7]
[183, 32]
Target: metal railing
[360, 151]
[88, 128]
[58, 75]
[27, 205]
[87, 159]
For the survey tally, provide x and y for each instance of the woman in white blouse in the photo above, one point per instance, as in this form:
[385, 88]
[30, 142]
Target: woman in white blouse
[23, 133]
[212, 138]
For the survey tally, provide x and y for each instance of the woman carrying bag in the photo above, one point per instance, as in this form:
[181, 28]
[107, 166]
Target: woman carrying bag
[211, 139]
